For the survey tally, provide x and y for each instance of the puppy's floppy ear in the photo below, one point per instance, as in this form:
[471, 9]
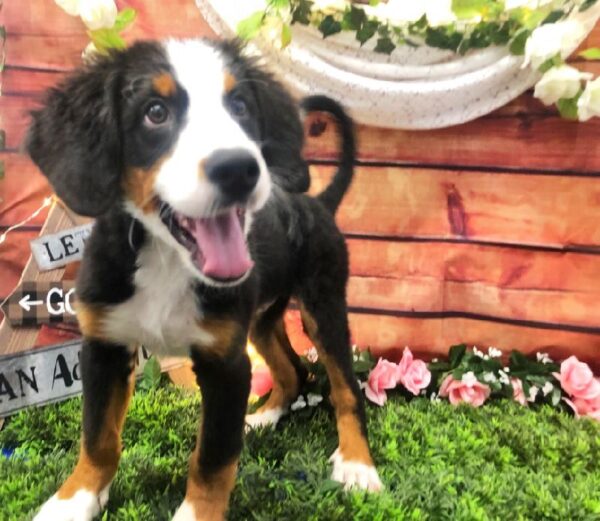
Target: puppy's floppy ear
[74, 138]
[282, 134]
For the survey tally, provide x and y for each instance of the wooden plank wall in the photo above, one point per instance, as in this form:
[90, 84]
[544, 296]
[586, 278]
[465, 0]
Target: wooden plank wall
[486, 233]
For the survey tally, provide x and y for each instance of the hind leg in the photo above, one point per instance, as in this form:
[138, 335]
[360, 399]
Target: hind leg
[325, 321]
[271, 341]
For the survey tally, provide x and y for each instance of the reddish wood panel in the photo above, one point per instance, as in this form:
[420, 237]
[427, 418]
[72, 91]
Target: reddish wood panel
[12, 252]
[17, 198]
[176, 18]
[543, 141]
[43, 52]
[432, 337]
[507, 208]
[14, 118]
[504, 283]
[28, 83]
[421, 296]
[504, 267]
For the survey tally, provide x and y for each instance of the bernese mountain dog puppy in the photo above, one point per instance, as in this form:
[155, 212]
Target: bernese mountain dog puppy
[189, 157]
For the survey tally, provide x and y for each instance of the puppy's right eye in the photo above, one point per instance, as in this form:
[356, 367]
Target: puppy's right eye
[156, 114]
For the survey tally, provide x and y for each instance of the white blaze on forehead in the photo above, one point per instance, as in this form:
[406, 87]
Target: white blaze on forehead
[200, 69]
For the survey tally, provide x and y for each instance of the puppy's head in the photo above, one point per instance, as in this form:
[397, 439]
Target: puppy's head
[186, 135]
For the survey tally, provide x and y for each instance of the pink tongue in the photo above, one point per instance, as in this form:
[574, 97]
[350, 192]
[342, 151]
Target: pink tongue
[222, 243]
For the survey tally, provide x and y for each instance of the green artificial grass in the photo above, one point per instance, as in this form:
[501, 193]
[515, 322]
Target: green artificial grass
[501, 461]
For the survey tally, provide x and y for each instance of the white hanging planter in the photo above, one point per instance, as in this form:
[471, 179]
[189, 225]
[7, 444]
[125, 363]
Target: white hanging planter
[413, 88]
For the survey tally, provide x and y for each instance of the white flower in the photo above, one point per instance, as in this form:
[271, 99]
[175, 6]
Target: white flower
[504, 379]
[559, 82]
[434, 360]
[507, 369]
[544, 358]
[469, 378]
[548, 40]
[89, 52]
[435, 398]
[439, 12]
[396, 12]
[489, 377]
[330, 6]
[313, 399]
[69, 6]
[312, 355]
[533, 391]
[300, 403]
[548, 388]
[477, 352]
[98, 14]
[494, 353]
[588, 104]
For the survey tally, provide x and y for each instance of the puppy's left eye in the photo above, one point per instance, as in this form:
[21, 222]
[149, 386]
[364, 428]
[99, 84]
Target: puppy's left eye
[156, 113]
[239, 108]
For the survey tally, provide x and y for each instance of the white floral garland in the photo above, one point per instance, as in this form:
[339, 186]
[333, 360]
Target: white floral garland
[551, 30]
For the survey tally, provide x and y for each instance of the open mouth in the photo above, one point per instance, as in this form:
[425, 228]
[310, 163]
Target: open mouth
[216, 244]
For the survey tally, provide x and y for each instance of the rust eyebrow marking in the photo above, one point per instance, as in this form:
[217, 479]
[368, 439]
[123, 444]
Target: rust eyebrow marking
[229, 81]
[164, 84]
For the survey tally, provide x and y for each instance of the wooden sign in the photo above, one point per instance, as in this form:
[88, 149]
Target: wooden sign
[46, 375]
[34, 303]
[57, 250]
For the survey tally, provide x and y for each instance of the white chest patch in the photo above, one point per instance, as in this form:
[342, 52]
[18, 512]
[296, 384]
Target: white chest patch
[163, 313]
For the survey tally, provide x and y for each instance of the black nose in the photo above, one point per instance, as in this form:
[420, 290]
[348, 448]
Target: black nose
[234, 171]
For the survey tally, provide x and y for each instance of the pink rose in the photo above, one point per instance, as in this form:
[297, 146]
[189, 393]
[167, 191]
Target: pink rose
[585, 407]
[262, 381]
[467, 390]
[518, 393]
[382, 376]
[577, 380]
[413, 374]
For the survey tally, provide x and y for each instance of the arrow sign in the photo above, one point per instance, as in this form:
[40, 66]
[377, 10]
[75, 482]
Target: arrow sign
[26, 304]
[35, 303]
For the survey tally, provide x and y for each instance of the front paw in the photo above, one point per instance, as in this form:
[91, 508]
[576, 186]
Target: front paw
[264, 418]
[354, 474]
[84, 505]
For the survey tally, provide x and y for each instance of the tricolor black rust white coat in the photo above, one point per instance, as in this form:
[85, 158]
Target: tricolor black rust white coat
[189, 157]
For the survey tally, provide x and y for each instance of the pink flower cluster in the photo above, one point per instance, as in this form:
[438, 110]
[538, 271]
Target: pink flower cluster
[578, 381]
[410, 373]
[466, 390]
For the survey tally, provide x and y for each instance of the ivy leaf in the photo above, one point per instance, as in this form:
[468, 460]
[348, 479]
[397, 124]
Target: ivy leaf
[517, 45]
[553, 17]
[443, 38]
[568, 107]
[301, 12]
[151, 376]
[551, 62]
[249, 27]
[353, 19]
[556, 396]
[593, 53]
[367, 31]
[329, 25]
[470, 8]
[286, 36]
[124, 19]
[586, 5]
[105, 39]
[279, 4]
[384, 45]
[456, 354]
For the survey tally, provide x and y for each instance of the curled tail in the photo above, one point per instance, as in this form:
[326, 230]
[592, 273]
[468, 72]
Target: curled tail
[332, 196]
